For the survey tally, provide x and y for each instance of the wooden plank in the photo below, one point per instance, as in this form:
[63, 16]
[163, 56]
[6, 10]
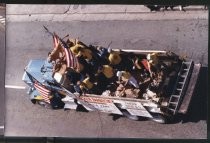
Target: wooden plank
[190, 90]
[141, 51]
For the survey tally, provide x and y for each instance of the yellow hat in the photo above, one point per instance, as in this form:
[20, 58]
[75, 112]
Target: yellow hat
[114, 58]
[76, 48]
[38, 97]
[86, 53]
[71, 42]
[86, 83]
[108, 71]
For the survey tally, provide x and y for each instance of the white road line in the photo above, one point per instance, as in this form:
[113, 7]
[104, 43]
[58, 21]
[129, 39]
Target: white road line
[2, 20]
[14, 86]
[1, 127]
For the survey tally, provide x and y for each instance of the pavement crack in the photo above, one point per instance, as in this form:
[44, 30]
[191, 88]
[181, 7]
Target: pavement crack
[125, 10]
[67, 10]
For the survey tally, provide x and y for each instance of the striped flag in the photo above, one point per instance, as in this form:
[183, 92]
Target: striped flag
[71, 59]
[40, 88]
[43, 91]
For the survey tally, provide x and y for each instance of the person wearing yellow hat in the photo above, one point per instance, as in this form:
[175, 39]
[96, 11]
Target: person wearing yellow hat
[76, 49]
[105, 76]
[108, 71]
[119, 61]
[88, 86]
[71, 42]
[81, 50]
[75, 45]
[89, 53]
[84, 68]
[86, 53]
[114, 58]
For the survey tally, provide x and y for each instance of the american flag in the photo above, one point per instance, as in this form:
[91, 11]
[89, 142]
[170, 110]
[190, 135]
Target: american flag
[40, 88]
[43, 91]
[71, 59]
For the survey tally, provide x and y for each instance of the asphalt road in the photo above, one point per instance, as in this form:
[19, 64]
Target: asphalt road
[27, 40]
[2, 71]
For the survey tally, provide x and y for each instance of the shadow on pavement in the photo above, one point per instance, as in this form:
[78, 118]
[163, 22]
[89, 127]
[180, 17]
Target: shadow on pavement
[198, 106]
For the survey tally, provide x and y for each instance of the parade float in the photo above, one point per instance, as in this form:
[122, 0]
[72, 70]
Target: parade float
[151, 84]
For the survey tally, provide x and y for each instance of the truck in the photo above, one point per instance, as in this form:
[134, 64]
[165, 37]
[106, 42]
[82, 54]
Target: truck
[145, 84]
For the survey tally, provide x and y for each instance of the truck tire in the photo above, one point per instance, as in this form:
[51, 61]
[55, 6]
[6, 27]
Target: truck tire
[44, 104]
[129, 116]
[159, 118]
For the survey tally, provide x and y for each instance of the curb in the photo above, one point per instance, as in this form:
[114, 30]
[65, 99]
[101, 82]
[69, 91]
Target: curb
[169, 15]
[21, 9]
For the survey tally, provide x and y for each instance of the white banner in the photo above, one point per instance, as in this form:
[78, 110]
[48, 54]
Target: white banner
[134, 108]
[103, 105]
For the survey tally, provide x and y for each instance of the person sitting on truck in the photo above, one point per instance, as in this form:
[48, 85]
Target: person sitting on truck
[140, 64]
[87, 86]
[89, 53]
[74, 76]
[120, 62]
[103, 54]
[75, 45]
[84, 68]
[153, 63]
[105, 76]
[127, 77]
